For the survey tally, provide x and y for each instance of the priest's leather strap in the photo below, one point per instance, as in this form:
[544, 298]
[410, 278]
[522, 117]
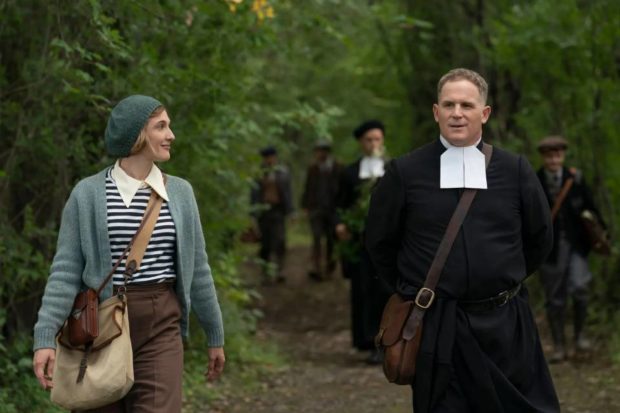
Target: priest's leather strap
[426, 294]
[559, 200]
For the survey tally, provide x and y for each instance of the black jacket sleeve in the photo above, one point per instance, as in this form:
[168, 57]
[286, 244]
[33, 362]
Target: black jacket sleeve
[536, 228]
[345, 195]
[384, 224]
[287, 191]
[308, 190]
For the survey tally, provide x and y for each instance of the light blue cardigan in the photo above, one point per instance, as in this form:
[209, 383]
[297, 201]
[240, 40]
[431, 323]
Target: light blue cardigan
[83, 259]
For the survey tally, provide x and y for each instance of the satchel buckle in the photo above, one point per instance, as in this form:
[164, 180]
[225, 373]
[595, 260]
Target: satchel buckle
[120, 292]
[429, 300]
[378, 338]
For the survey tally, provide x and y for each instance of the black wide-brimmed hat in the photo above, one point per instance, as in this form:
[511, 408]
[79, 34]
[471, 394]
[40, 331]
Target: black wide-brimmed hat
[268, 151]
[366, 126]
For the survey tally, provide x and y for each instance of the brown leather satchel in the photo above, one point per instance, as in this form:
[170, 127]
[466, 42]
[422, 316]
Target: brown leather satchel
[400, 351]
[596, 233]
[400, 331]
[83, 322]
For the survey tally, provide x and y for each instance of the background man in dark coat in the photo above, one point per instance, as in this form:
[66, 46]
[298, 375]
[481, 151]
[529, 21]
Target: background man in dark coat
[566, 272]
[319, 201]
[272, 198]
[480, 350]
[368, 293]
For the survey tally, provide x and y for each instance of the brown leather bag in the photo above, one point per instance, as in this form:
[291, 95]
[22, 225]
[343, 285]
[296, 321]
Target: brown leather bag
[400, 331]
[399, 352]
[82, 323]
[596, 233]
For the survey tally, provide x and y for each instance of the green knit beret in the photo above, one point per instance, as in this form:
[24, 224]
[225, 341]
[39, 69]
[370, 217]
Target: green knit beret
[125, 123]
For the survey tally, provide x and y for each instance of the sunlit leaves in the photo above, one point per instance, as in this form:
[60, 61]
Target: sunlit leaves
[261, 8]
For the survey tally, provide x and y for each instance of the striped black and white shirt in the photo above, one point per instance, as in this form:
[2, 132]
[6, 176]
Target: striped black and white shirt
[123, 222]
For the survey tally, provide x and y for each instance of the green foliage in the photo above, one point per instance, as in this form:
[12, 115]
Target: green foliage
[614, 340]
[20, 391]
[58, 83]
[560, 57]
[355, 220]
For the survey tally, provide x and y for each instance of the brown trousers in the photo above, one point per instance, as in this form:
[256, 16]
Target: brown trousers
[155, 330]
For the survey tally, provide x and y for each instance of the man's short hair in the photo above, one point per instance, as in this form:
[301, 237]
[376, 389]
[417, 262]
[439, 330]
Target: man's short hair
[465, 74]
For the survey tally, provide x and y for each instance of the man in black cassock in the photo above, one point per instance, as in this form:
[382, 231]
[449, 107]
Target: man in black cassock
[368, 293]
[480, 349]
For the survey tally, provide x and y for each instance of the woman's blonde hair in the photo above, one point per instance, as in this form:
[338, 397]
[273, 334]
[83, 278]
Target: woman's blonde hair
[143, 137]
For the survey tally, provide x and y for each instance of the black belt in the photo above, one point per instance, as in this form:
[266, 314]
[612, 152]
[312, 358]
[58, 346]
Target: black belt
[148, 286]
[487, 304]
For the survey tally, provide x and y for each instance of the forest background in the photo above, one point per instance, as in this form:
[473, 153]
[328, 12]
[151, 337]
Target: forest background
[236, 75]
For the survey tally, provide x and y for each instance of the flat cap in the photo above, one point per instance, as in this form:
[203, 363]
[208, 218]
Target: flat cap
[554, 142]
[323, 144]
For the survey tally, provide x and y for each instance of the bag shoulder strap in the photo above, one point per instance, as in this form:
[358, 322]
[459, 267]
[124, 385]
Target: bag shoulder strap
[559, 200]
[140, 239]
[134, 259]
[426, 294]
[434, 272]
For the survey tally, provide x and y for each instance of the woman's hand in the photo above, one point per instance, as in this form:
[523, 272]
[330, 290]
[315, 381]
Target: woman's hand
[342, 232]
[43, 366]
[216, 363]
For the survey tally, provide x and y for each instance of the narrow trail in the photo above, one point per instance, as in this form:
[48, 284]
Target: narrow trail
[309, 321]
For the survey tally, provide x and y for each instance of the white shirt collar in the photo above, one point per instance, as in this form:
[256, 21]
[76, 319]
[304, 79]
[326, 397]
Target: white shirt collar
[462, 167]
[371, 167]
[128, 186]
[326, 165]
[557, 175]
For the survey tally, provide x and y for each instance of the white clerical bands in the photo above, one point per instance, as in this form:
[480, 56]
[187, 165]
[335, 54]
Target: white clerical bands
[462, 167]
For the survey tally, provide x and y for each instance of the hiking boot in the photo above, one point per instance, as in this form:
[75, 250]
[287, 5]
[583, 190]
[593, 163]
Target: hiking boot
[556, 326]
[315, 275]
[375, 357]
[331, 267]
[558, 355]
[580, 313]
[582, 344]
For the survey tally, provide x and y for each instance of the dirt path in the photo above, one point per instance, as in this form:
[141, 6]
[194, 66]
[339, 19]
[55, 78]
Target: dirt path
[310, 323]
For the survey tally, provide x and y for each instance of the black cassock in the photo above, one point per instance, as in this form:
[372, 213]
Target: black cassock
[480, 362]
[368, 293]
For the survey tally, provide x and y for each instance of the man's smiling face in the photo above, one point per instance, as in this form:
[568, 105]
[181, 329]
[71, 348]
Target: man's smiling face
[461, 112]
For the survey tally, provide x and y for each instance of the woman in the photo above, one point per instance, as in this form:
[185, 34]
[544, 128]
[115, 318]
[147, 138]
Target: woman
[102, 214]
